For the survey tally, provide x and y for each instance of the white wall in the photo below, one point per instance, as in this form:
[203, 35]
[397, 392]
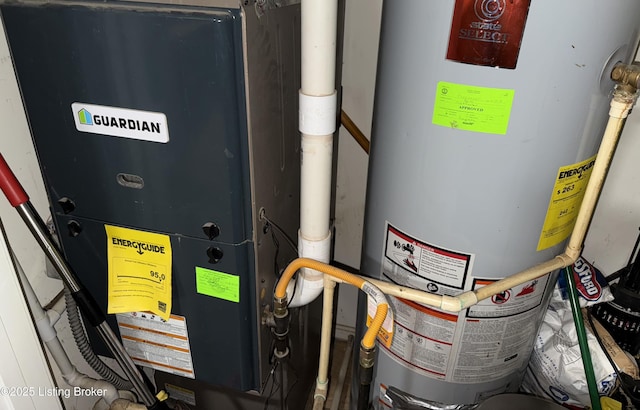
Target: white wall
[362, 27]
[24, 375]
[615, 224]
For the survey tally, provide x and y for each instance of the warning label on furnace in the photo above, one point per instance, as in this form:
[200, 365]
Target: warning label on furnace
[568, 191]
[429, 267]
[139, 271]
[157, 343]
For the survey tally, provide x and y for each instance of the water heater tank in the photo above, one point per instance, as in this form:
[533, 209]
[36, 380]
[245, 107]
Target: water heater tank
[488, 115]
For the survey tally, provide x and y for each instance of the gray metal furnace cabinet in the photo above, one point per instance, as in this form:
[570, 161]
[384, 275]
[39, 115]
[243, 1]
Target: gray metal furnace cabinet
[226, 79]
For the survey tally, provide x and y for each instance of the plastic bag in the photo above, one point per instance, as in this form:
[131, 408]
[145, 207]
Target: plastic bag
[555, 370]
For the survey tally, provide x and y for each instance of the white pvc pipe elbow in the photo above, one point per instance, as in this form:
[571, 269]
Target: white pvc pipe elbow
[309, 283]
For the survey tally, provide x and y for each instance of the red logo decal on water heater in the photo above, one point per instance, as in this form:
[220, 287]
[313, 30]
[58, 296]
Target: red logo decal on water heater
[487, 32]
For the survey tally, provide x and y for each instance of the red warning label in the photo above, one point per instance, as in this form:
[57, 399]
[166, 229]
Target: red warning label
[487, 32]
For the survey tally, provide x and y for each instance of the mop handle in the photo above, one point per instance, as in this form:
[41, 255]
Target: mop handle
[10, 185]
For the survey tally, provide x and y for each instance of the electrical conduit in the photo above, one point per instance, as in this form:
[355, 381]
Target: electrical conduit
[80, 337]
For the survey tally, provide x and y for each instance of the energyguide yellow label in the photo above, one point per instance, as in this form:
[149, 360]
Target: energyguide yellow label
[565, 201]
[139, 270]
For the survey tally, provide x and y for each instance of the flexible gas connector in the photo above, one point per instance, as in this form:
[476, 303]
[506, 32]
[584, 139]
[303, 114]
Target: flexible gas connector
[369, 339]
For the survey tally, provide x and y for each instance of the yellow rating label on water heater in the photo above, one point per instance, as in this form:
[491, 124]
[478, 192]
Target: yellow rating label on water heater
[564, 205]
[139, 271]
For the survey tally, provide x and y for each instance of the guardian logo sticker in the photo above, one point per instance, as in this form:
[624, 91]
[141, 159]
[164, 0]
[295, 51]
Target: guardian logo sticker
[120, 122]
[85, 117]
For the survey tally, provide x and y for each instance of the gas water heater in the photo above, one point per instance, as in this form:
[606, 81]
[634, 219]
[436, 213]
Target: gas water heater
[487, 118]
[171, 125]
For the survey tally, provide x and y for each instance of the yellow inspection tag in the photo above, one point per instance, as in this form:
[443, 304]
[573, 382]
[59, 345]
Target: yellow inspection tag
[139, 271]
[564, 205]
[471, 108]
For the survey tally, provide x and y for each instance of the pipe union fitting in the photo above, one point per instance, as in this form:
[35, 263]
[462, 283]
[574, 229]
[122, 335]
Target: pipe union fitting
[280, 307]
[367, 356]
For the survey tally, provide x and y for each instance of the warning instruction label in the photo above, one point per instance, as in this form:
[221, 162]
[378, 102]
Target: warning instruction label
[423, 337]
[157, 343]
[511, 302]
[484, 343]
[428, 266]
[494, 348]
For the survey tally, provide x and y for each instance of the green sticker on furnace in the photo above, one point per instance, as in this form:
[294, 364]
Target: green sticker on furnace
[218, 284]
[472, 108]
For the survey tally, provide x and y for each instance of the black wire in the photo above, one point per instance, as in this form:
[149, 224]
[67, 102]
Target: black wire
[295, 374]
[295, 287]
[276, 267]
[264, 384]
[276, 243]
[274, 383]
[281, 231]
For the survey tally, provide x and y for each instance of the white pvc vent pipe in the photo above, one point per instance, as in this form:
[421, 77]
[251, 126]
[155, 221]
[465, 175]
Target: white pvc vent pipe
[317, 123]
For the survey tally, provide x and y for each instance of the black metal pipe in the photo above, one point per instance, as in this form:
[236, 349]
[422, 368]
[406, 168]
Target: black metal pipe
[365, 373]
[281, 330]
[363, 396]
